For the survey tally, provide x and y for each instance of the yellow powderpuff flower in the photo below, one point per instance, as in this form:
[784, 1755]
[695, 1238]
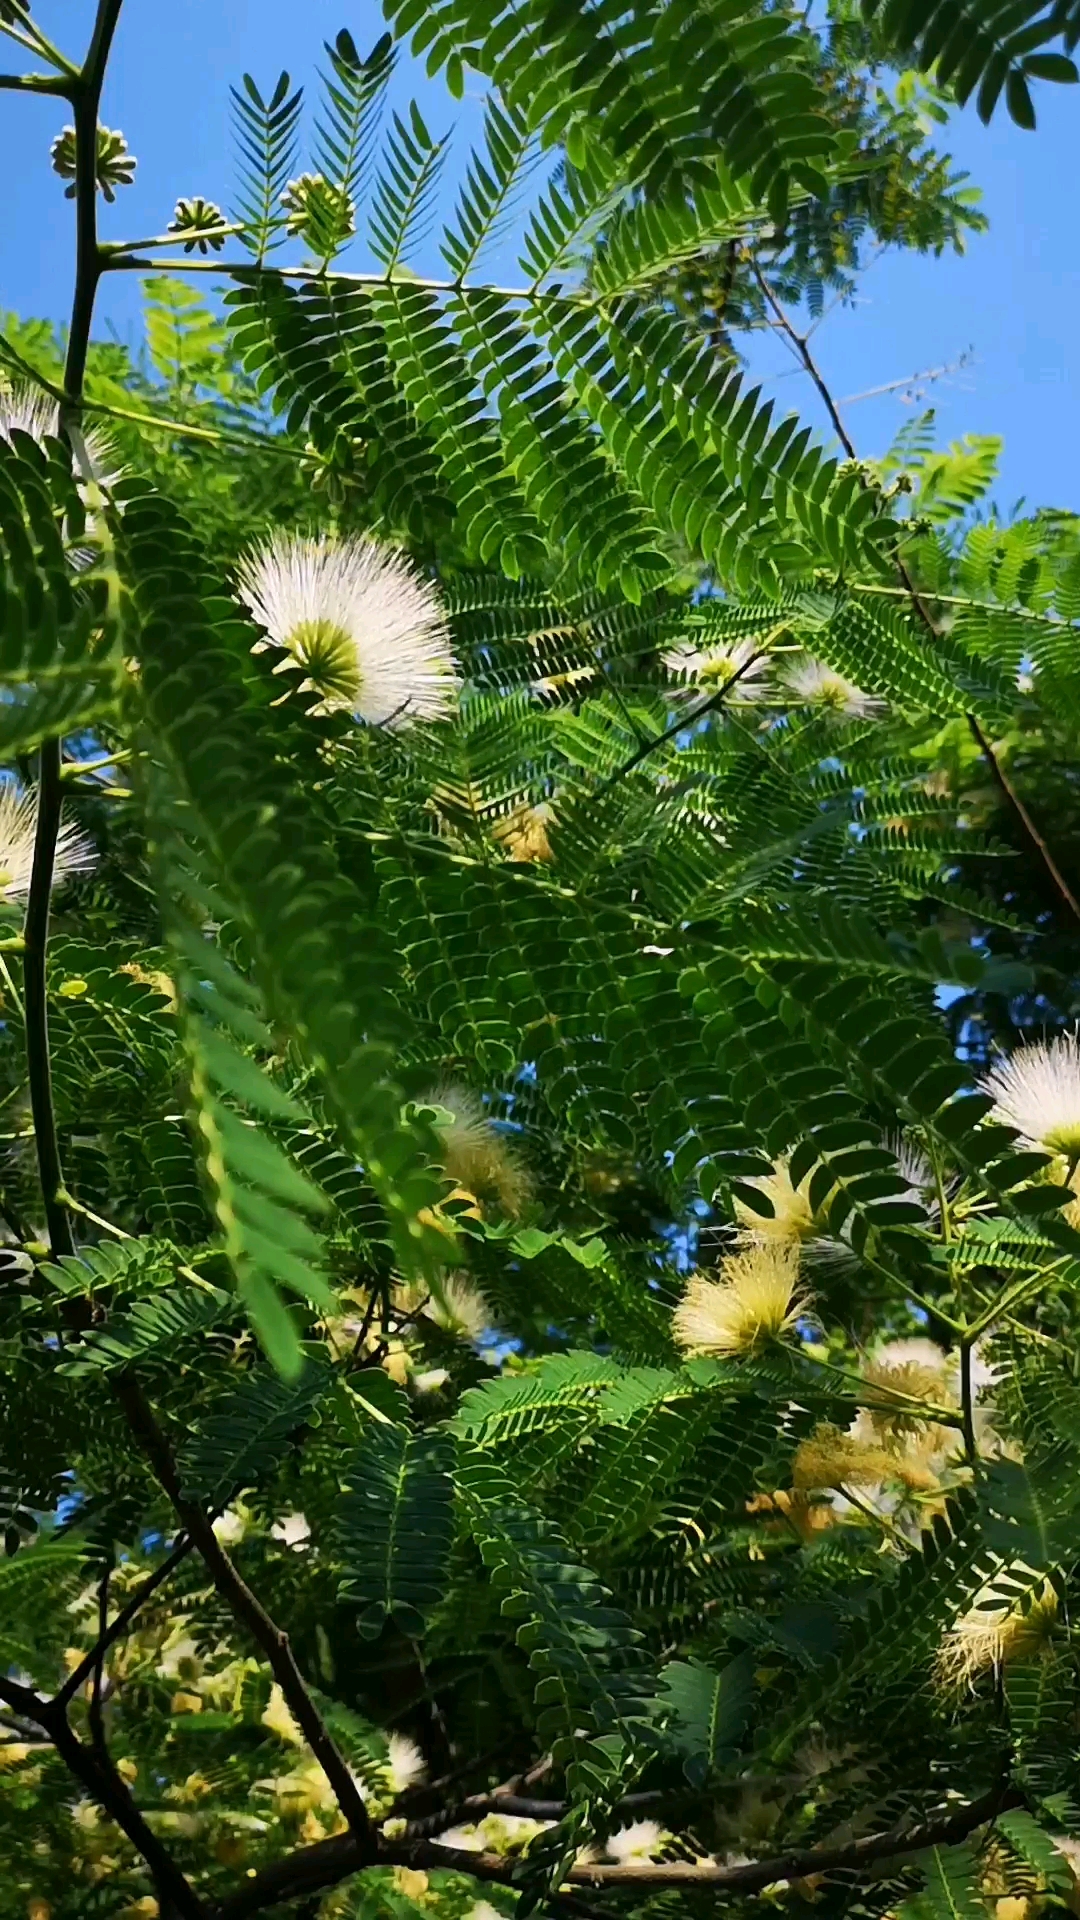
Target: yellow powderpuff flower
[524, 833]
[757, 1299]
[993, 1633]
[474, 1155]
[792, 1218]
[830, 1458]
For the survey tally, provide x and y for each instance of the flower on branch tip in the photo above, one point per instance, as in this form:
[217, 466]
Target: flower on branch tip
[756, 1299]
[363, 622]
[459, 1308]
[197, 222]
[474, 1155]
[708, 670]
[1037, 1091]
[75, 853]
[994, 1633]
[405, 1764]
[811, 683]
[637, 1844]
[115, 165]
[523, 834]
[26, 409]
[792, 1219]
[320, 213]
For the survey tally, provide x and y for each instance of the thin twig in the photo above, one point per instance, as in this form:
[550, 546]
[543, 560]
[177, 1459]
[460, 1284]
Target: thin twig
[801, 346]
[36, 1011]
[96, 1715]
[247, 1609]
[120, 1625]
[1030, 829]
[711, 705]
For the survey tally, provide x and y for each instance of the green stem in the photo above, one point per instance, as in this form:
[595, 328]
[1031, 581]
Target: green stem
[85, 97]
[35, 934]
[967, 1403]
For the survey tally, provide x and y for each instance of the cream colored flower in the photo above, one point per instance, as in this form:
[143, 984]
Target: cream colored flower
[830, 1458]
[994, 1632]
[637, 1844]
[461, 1309]
[26, 409]
[465, 1839]
[708, 669]
[474, 1155]
[292, 1530]
[509, 1832]
[523, 834]
[430, 1380]
[1037, 1091]
[363, 621]
[406, 1765]
[792, 1218]
[18, 827]
[230, 1527]
[279, 1719]
[180, 1659]
[757, 1299]
[811, 683]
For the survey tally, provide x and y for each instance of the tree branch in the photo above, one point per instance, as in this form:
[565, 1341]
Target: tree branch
[711, 705]
[123, 1621]
[1031, 831]
[802, 348]
[35, 1001]
[331, 1861]
[34, 83]
[97, 1775]
[250, 1611]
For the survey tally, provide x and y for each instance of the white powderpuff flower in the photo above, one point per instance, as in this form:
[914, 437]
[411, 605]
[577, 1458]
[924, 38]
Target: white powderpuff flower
[465, 1839]
[362, 620]
[405, 1765]
[25, 409]
[462, 1310]
[637, 1844]
[18, 827]
[756, 1299]
[1037, 1091]
[811, 683]
[483, 1910]
[430, 1380]
[993, 1632]
[230, 1527]
[710, 669]
[292, 1530]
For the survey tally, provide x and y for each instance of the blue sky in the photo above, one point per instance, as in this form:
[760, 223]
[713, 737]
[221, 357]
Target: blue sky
[1010, 302]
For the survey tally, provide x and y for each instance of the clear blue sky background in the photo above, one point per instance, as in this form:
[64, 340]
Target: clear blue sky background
[1012, 301]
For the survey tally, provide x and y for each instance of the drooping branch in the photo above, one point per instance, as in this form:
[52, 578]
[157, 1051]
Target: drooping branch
[316, 1868]
[249, 1611]
[1031, 831]
[105, 1786]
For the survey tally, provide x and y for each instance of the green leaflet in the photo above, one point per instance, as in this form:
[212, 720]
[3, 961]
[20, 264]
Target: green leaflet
[709, 1711]
[325, 968]
[151, 1329]
[248, 1432]
[951, 1891]
[591, 1682]
[396, 1526]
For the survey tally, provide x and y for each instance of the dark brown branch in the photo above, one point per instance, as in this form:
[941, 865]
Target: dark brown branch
[802, 348]
[1031, 831]
[123, 1620]
[476, 1805]
[249, 1611]
[711, 705]
[331, 1861]
[99, 1778]
[96, 1714]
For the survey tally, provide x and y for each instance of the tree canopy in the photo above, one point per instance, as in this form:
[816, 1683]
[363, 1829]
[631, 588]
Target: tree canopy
[540, 1191]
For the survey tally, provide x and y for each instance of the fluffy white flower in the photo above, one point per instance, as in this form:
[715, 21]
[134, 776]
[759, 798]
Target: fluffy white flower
[230, 1527]
[462, 1310]
[1037, 1091]
[406, 1765]
[993, 1632]
[430, 1380]
[292, 1530]
[465, 1839]
[810, 683]
[636, 1844]
[792, 1217]
[25, 409]
[367, 626]
[755, 1300]
[709, 669]
[18, 826]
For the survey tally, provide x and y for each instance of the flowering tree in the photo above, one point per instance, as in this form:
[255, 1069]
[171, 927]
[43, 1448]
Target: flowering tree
[539, 1349]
